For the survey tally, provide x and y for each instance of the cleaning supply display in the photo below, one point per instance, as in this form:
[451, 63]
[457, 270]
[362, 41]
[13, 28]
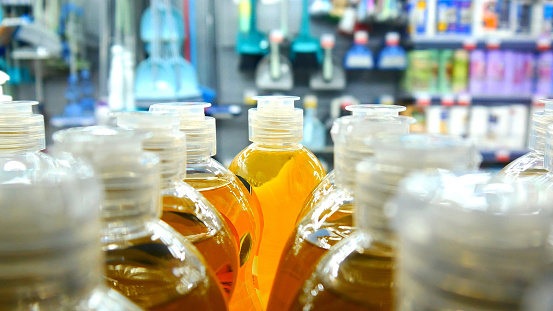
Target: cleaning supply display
[208, 231]
[54, 214]
[274, 71]
[392, 56]
[531, 165]
[282, 173]
[146, 260]
[363, 264]
[329, 221]
[452, 227]
[314, 132]
[234, 199]
[359, 56]
[305, 51]
[251, 44]
[331, 76]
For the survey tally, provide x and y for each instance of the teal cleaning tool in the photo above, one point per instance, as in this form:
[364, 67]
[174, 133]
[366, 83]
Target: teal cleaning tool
[331, 76]
[359, 56]
[155, 80]
[274, 71]
[187, 85]
[251, 44]
[305, 52]
[320, 7]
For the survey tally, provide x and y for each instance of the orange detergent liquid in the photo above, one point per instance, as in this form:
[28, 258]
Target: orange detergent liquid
[216, 245]
[242, 212]
[282, 178]
[323, 189]
[152, 275]
[309, 242]
[363, 280]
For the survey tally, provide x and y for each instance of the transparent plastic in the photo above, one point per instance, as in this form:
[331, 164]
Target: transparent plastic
[281, 172]
[22, 131]
[531, 164]
[327, 183]
[314, 132]
[469, 242]
[184, 209]
[331, 219]
[50, 255]
[363, 263]
[146, 260]
[233, 198]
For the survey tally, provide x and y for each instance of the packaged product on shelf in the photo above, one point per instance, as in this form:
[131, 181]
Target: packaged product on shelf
[460, 74]
[485, 19]
[530, 73]
[436, 117]
[495, 71]
[445, 21]
[546, 22]
[499, 127]
[504, 11]
[509, 79]
[544, 71]
[523, 13]
[417, 113]
[464, 16]
[392, 55]
[477, 80]
[420, 76]
[478, 125]
[314, 132]
[518, 127]
[417, 11]
[445, 70]
[459, 117]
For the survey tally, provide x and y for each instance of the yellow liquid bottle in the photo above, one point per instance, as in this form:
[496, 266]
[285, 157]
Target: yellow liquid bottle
[364, 262]
[330, 219]
[531, 164]
[184, 209]
[225, 192]
[474, 243]
[146, 260]
[282, 174]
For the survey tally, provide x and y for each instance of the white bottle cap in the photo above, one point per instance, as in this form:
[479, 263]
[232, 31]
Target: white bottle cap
[3, 79]
[375, 110]
[275, 120]
[201, 140]
[20, 129]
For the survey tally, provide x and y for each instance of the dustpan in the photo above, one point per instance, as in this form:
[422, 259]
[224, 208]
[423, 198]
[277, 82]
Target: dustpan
[274, 71]
[165, 12]
[186, 79]
[305, 51]
[251, 44]
[331, 76]
[154, 76]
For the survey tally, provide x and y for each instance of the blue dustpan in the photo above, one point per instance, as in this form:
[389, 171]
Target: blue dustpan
[168, 33]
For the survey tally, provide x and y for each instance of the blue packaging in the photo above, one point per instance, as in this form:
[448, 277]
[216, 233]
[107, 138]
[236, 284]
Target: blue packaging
[524, 17]
[547, 25]
[442, 16]
[419, 16]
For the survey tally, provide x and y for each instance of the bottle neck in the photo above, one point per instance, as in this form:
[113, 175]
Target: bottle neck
[277, 146]
[197, 155]
[345, 163]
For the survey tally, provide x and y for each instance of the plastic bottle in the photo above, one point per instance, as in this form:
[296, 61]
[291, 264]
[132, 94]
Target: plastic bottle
[184, 209]
[477, 82]
[531, 165]
[544, 70]
[509, 81]
[445, 71]
[330, 219]
[357, 273]
[146, 260]
[314, 133]
[460, 74]
[50, 255]
[359, 56]
[232, 198]
[495, 71]
[392, 56]
[469, 242]
[282, 173]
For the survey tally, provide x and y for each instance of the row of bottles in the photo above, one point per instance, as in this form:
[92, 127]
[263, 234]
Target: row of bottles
[143, 207]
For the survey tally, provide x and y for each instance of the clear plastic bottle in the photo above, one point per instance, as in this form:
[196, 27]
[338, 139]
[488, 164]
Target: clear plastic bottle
[282, 173]
[314, 133]
[50, 256]
[469, 242]
[363, 264]
[531, 164]
[146, 260]
[330, 220]
[327, 184]
[231, 197]
[184, 209]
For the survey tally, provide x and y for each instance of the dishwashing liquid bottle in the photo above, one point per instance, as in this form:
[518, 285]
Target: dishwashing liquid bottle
[282, 173]
[330, 220]
[234, 199]
[146, 260]
[363, 264]
[184, 209]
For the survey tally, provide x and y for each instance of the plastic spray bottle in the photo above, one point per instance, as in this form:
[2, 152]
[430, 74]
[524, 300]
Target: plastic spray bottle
[330, 220]
[184, 209]
[146, 260]
[363, 264]
[282, 173]
[314, 132]
[531, 165]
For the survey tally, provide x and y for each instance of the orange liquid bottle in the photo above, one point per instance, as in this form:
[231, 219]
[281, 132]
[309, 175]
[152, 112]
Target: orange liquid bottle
[364, 262]
[146, 260]
[282, 174]
[225, 191]
[330, 220]
[184, 209]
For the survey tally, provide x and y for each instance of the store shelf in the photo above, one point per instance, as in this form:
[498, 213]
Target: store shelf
[476, 99]
[64, 122]
[452, 41]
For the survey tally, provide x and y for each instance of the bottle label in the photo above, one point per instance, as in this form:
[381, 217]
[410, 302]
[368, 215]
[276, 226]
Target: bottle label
[497, 71]
[477, 70]
[358, 61]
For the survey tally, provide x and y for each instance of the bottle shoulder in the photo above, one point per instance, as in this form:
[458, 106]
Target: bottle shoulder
[530, 164]
[26, 168]
[106, 299]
